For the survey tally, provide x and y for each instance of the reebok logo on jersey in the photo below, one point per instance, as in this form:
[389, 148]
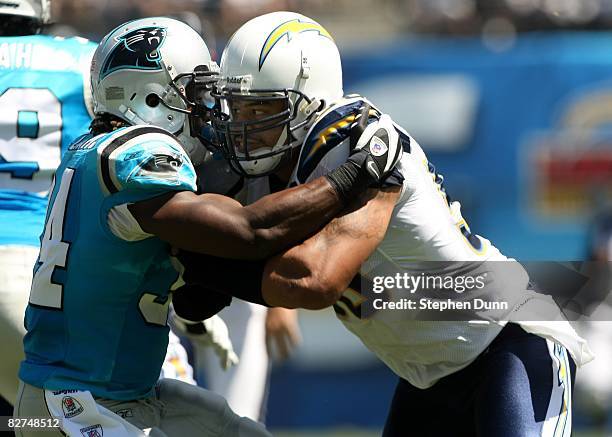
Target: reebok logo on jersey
[71, 407]
[162, 165]
[377, 146]
[92, 431]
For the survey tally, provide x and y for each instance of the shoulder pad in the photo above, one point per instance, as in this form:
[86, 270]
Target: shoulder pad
[326, 145]
[331, 129]
[144, 158]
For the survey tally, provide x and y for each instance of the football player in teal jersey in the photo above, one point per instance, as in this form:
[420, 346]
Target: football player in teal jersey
[44, 96]
[122, 196]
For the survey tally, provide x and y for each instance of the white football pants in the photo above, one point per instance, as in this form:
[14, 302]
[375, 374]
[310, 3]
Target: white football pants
[176, 409]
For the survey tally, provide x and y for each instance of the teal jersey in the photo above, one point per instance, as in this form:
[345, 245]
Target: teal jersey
[97, 316]
[43, 109]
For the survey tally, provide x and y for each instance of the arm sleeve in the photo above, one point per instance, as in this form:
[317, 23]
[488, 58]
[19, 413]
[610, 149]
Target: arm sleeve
[196, 303]
[237, 278]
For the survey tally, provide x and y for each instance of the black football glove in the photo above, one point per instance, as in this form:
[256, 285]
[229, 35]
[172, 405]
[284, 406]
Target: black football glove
[375, 151]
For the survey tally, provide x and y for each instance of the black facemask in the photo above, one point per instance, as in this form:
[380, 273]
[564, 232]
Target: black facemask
[232, 136]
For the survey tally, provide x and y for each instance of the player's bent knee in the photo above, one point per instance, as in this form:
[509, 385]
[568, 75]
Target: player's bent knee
[192, 397]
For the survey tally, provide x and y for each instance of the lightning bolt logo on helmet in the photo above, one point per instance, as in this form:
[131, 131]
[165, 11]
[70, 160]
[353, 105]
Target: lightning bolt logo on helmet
[287, 29]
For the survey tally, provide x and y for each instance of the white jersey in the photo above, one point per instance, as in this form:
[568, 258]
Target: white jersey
[425, 226]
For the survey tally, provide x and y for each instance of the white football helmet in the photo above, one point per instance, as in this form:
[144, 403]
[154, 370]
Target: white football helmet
[34, 12]
[154, 71]
[281, 56]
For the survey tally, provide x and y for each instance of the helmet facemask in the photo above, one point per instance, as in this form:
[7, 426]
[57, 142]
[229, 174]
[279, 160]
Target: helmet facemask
[193, 90]
[241, 138]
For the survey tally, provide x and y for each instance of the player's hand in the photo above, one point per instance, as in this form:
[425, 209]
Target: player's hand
[220, 341]
[211, 332]
[282, 332]
[377, 148]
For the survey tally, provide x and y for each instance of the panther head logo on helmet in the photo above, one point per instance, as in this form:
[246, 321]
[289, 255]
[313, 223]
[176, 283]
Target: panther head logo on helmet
[137, 50]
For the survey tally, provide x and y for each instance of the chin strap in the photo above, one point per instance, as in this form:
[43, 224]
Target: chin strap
[130, 115]
[305, 119]
[312, 107]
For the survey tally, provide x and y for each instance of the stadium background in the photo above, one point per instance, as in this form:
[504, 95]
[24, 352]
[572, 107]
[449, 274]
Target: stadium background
[510, 99]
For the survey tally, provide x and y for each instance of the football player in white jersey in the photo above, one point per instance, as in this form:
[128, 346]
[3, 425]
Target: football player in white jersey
[281, 112]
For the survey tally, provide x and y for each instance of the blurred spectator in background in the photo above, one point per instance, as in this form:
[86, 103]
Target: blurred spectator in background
[595, 381]
[473, 16]
[388, 19]
[599, 246]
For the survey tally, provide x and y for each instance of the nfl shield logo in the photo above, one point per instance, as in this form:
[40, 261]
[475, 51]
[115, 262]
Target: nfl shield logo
[377, 146]
[71, 407]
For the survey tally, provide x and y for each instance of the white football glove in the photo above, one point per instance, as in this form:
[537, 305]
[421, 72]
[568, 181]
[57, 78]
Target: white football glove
[211, 332]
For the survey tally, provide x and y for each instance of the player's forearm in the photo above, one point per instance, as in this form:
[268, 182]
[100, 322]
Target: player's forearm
[282, 219]
[289, 216]
[220, 226]
[314, 274]
[295, 279]
[311, 275]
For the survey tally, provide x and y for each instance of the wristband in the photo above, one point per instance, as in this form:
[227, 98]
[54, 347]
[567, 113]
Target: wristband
[351, 178]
